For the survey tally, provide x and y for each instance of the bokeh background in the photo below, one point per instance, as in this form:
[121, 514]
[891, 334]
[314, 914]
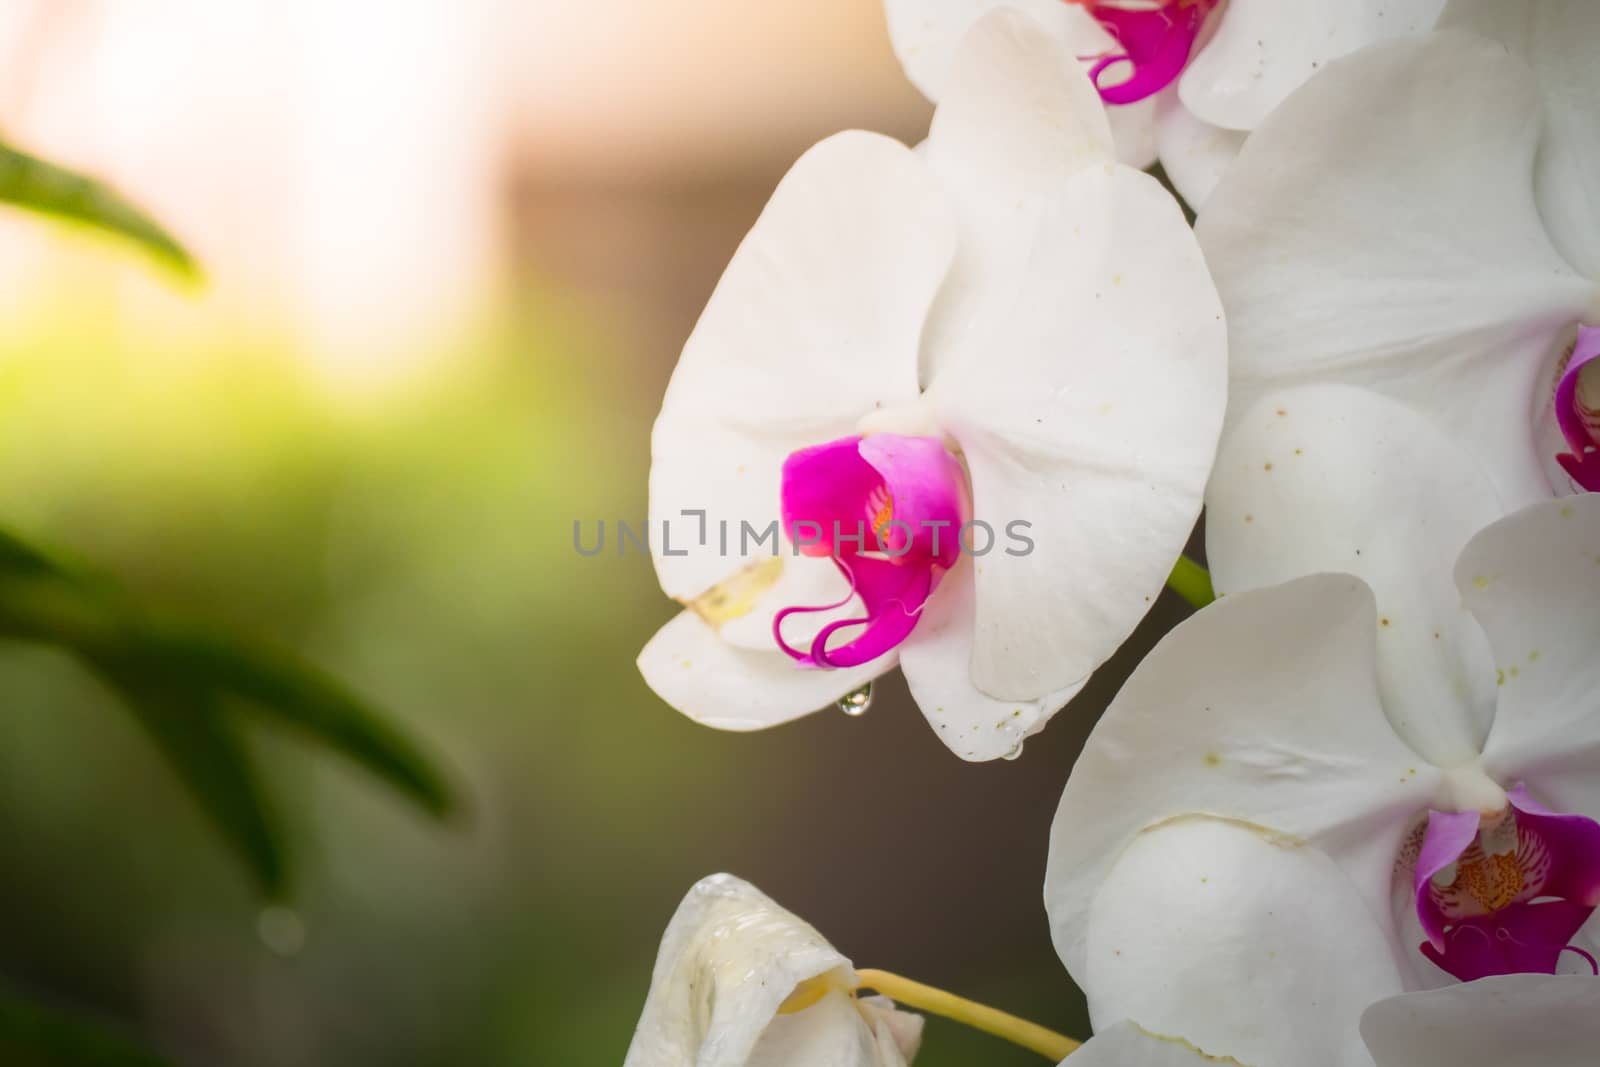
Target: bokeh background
[451, 253]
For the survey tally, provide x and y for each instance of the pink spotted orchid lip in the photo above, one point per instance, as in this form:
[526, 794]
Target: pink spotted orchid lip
[1155, 38]
[1579, 426]
[888, 509]
[1507, 895]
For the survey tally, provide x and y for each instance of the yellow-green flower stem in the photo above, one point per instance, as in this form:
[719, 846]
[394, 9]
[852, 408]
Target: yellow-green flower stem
[1030, 1036]
[1192, 582]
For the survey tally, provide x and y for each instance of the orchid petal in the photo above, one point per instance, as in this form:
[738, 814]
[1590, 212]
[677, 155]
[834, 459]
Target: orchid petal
[1523, 1019]
[1336, 478]
[1556, 37]
[1017, 116]
[825, 490]
[729, 960]
[1380, 229]
[1571, 387]
[1133, 131]
[936, 662]
[1262, 708]
[1523, 939]
[1079, 317]
[1265, 49]
[801, 580]
[899, 1032]
[927, 34]
[1243, 943]
[1448, 835]
[1153, 47]
[927, 493]
[1126, 1044]
[893, 597]
[1574, 844]
[830, 1033]
[1533, 582]
[885, 494]
[815, 323]
[718, 684]
[1194, 153]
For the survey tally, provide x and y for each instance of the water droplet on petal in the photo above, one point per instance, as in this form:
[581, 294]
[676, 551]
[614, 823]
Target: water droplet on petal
[281, 929]
[856, 702]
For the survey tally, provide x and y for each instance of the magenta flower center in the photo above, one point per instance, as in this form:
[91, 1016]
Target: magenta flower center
[1154, 40]
[1577, 402]
[889, 510]
[1506, 894]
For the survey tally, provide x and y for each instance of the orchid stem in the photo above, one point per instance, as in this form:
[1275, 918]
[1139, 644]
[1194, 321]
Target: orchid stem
[1030, 1036]
[1192, 582]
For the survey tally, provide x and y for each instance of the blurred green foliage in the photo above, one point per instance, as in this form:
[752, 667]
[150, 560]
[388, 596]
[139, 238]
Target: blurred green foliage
[32, 1035]
[48, 189]
[179, 679]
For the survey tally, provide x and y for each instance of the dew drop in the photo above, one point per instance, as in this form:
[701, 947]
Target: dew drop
[281, 929]
[856, 702]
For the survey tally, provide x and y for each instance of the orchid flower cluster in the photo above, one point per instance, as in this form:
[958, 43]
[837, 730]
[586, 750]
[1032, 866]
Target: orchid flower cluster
[1345, 814]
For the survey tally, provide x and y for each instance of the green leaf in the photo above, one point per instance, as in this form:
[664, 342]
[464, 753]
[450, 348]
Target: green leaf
[298, 694]
[32, 1035]
[192, 730]
[180, 680]
[101, 628]
[44, 187]
[19, 557]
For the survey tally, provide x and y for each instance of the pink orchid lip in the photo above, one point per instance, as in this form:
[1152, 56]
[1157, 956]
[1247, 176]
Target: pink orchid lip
[1582, 464]
[1156, 39]
[1513, 911]
[888, 509]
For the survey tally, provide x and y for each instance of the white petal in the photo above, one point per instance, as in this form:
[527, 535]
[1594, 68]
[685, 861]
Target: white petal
[1380, 229]
[1018, 114]
[1194, 153]
[1237, 942]
[1335, 478]
[729, 958]
[899, 1032]
[1126, 1044]
[1262, 708]
[1533, 581]
[815, 322]
[718, 684]
[830, 1033]
[936, 660]
[1133, 131]
[1530, 1020]
[1078, 356]
[1557, 38]
[1265, 49]
[927, 36]
[804, 581]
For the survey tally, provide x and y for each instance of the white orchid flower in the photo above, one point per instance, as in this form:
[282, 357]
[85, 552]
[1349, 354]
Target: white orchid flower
[1409, 252]
[1127, 1044]
[740, 982]
[1183, 80]
[979, 385]
[1524, 1019]
[1259, 840]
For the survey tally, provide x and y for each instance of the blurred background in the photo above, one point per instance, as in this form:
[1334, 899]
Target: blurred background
[451, 253]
